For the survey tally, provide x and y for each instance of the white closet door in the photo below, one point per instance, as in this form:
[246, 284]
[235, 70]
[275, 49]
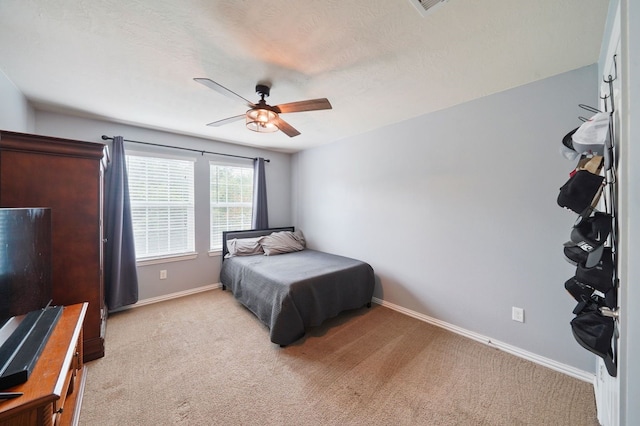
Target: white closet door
[607, 388]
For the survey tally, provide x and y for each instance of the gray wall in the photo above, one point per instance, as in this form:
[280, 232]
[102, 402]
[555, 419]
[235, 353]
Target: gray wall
[187, 274]
[456, 211]
[16, 114]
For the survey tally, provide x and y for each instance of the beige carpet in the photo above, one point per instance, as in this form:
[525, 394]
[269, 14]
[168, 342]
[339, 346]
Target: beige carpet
[206, 360]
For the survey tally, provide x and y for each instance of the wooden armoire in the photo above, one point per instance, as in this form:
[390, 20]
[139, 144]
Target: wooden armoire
[67, 176]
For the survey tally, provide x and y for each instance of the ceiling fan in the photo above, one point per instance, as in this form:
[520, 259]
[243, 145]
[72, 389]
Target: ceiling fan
[262, 117]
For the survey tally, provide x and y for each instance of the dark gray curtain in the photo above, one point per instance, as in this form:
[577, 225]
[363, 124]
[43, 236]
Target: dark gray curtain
[120, 274]
[260, 219]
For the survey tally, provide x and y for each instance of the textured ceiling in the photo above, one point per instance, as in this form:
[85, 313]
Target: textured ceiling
[377, 61]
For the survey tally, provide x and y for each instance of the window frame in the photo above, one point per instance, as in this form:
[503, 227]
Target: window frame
[214, 251]
[190, 252]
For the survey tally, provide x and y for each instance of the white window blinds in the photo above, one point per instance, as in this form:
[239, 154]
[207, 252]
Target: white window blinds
[162, 205]
[231, 198]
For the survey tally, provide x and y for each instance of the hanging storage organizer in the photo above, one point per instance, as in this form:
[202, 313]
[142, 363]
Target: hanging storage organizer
[591, 192]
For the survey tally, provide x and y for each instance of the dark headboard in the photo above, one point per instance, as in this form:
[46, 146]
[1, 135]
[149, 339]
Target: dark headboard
[251, 233]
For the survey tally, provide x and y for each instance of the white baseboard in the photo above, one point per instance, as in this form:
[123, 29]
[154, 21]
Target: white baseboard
[530, 356]
[169, 296]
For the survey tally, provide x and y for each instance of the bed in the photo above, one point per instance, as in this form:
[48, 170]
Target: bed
[292, 291]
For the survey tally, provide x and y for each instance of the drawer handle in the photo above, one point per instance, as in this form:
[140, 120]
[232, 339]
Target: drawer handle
[60, 410]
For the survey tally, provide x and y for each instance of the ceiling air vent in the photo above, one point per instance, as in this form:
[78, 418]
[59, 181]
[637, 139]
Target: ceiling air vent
[426, 6]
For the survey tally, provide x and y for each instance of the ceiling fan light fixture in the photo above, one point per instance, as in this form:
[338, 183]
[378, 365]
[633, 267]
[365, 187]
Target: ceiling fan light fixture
[262, 117]
[261, 120]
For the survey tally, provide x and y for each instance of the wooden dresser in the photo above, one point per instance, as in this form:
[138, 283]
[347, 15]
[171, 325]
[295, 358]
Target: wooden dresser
[53, 393]
[67, 176]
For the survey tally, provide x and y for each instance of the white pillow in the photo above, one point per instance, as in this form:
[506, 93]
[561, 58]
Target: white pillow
[282, 242]
[244, 247]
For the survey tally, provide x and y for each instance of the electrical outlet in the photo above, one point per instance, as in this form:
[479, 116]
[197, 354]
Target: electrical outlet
[163, 274]
[517, 314]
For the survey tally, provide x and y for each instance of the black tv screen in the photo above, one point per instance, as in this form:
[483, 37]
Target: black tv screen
[25, 260]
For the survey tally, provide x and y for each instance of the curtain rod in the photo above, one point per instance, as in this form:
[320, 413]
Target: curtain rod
[105, 137]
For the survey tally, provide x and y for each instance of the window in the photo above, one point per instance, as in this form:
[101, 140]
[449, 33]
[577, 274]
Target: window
[162, 205]
[231, 197]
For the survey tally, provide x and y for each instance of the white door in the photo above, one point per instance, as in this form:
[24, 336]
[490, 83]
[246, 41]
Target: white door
[607, 388]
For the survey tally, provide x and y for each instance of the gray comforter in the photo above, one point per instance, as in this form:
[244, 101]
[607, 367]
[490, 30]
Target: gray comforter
[290, 292]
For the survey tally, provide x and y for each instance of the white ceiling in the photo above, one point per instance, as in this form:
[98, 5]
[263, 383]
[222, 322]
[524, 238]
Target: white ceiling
[377, 61]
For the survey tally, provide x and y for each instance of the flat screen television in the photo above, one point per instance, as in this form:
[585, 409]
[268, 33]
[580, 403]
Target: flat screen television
[25, 260]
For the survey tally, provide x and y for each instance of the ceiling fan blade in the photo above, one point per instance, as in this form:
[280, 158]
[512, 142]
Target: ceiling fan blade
[223, 90]
[285, 127]
[310, 105]
[226, 121]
